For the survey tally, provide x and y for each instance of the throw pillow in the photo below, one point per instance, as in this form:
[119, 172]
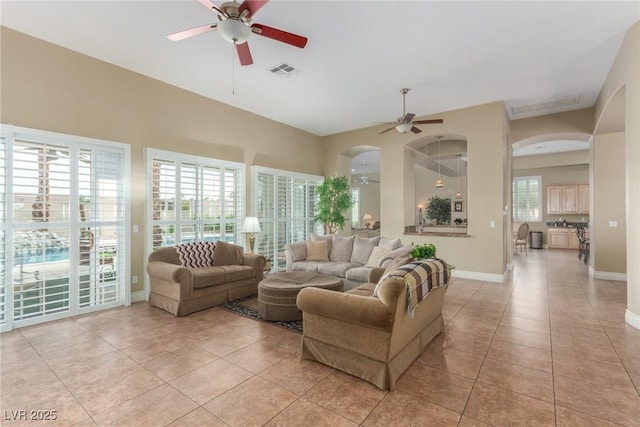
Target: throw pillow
[228, 254]
[196, 254]
[377, 255]
[362, 248]
[341, 248]
[317, 237]
[387, 242]
[317, 251]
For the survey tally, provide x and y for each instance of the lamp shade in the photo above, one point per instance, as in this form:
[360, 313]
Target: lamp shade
[367, 217]
[251, 225]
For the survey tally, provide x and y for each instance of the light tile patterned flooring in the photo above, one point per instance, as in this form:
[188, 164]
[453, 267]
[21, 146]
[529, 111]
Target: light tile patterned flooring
[548, 347]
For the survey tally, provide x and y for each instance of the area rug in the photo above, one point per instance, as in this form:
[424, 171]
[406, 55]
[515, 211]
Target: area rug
[248, 307]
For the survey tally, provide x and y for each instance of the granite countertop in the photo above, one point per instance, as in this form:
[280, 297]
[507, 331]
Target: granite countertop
[558, 224]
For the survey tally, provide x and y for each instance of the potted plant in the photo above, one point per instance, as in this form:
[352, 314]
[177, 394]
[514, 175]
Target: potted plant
[439, 210]
[334, 201]
[426, 251]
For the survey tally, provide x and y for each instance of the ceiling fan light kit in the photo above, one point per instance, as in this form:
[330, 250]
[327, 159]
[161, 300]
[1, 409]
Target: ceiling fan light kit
[234, 31]
[405, 123]
[234, 25]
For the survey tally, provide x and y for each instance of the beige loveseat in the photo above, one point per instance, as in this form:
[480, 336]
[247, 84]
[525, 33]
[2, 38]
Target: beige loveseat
[351, 258]
[372, 338]
[181, 289]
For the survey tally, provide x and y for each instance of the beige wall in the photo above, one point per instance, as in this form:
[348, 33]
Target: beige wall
[51, 88]
[609, 243]
[625, 72]
[578, 122]
[483, 127]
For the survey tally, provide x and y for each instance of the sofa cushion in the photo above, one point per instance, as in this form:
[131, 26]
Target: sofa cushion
[358, 274]
[212, 276]
[317, 237]
[391, 243]
[341, 248]
[335, 268]
[317, 251]
[377, 255]
[227, 254]
[365, 290]
[308, 265]
[196, 254]
[362, 248]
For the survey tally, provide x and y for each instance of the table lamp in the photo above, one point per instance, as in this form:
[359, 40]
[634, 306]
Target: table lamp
[251, 226]
[367, 220]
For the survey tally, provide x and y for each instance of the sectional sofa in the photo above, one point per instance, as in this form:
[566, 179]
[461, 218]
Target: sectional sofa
[351, 258]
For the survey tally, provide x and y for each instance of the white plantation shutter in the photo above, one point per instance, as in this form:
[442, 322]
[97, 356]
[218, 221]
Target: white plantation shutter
[210, 195]
[285, 204]
[527, 198]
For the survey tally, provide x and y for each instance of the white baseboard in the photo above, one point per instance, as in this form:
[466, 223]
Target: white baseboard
[138, 296]
[632, 319]
[608, 275]
[476, 275]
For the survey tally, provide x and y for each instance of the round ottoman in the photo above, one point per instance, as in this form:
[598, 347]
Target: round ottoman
[277, 293]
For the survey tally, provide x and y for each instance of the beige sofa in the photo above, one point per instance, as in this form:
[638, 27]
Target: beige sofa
[182, 290]
[372, 338]
[351, 258]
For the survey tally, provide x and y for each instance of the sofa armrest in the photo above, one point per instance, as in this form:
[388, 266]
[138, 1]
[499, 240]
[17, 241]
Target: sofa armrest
[165, 270]
[257, 262]
[350, 308]
[375, 274]
[296, 251]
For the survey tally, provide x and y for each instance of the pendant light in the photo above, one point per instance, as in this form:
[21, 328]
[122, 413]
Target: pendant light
[458, 194]
[439, 183]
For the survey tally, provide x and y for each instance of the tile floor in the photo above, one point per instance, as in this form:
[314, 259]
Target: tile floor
[548, 347]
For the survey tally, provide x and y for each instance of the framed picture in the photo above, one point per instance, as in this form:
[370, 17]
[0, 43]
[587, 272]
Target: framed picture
[457, 206]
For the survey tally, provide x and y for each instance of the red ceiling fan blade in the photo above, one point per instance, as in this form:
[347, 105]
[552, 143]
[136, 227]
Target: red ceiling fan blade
[280, 35]
[423, 122]
[415, 129]
[252, 5]
[244, 54]
[192, 32]
[210, 5]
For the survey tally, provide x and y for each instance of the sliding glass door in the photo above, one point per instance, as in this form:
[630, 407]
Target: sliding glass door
[64, 221]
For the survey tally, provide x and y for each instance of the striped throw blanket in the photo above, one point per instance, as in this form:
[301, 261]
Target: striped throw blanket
[420, 277]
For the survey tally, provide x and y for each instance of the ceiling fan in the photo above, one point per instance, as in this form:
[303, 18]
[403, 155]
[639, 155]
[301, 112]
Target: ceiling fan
[234, 24]
[406, 124]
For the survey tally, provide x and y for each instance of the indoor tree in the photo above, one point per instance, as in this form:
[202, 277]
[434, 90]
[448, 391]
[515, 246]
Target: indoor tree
[334, 201]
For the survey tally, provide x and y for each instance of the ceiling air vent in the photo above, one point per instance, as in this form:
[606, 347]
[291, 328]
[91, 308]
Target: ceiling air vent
[554, 106]
[284, 70]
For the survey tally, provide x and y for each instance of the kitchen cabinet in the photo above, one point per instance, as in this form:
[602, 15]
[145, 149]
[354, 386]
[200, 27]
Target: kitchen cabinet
[567, 199]
[558, 238]
[583, 199]
[563, 238]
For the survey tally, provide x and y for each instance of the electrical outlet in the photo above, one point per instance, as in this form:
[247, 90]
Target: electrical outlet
[134, 279]
[492, 224]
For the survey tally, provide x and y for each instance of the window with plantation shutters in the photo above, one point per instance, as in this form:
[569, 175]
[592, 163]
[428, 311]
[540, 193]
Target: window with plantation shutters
[285, 205]
[527, 199]
[194, 199]
[65, 216]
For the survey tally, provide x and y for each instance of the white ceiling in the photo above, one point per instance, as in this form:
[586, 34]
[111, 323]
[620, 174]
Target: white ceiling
[360, 53]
